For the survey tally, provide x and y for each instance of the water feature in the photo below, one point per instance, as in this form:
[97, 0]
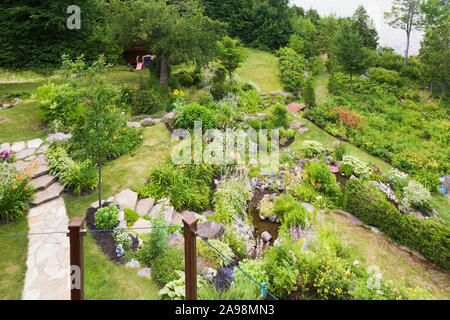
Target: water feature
[262, 225]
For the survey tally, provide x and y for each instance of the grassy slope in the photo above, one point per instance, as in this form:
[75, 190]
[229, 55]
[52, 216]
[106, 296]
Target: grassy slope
[261, 68]
[23, 123]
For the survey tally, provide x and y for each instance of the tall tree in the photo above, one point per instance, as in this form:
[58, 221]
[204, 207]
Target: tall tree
[405, 14]
[365, 27]
[435, 55]
[349, 51]
[433, 12]
[327, 29]
[231, 55]
[174, 32]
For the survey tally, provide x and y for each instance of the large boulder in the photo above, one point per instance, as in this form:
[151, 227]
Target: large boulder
[126, 199]
[266, 236]
[210, 230]
[141, 226]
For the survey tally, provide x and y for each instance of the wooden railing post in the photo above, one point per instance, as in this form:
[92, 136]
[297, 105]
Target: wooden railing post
[190, 256]
[75, 234]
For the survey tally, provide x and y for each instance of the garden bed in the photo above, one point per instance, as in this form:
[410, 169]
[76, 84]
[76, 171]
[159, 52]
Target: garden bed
[105, 240]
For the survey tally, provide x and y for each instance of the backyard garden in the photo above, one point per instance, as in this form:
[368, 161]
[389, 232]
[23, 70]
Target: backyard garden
[312, 178]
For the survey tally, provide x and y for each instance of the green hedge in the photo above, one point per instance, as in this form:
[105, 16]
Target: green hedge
[427, 236]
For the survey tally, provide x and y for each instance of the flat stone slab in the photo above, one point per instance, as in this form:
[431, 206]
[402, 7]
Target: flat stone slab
[176, 218]
[43, 148]
[43, 182]
[5, 146]
[52, 192]
[18, 146]
[281, 94]
[58, 136]
[144, 206]
[210, 230]
[295, 107]
[169, 116]
[134, 124]
[141, 226]
[126, 199]
[34, 144]
[25, 154]
[145, 272]
[303, 130]
[297, 125]
[147, 122]
[133, 264]
[308, 206]
[48, 259]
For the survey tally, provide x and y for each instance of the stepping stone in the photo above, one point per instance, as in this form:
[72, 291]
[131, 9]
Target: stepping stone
[20, 165]
[134, 124]
[308, 206]
[34, 144]
[141, 223]
[169, 116]
[25, 154]
[52, 192]
[43, 149]
[281, 93]
[303, 130]
[58, 136]
[145, 272]
[40, 171]
[133, 264]
[5, 146]
[298, 125]
[18, 146]
[295, 107]
[144, 206]
[43, 182]
[148, 122]
[157, 120]
[126, 199]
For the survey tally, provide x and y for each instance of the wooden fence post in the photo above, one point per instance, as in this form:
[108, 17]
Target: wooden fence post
[75, 235]
[190, 256]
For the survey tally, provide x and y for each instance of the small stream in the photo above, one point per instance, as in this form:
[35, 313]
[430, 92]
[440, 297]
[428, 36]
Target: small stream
[262, 225]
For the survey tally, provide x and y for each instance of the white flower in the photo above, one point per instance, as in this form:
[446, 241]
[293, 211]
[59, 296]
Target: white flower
[356, 263]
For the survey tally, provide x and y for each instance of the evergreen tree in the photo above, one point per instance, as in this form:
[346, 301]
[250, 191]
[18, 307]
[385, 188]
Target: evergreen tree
[231, 55]
[310, 95]
[365, 27]
[349, 51]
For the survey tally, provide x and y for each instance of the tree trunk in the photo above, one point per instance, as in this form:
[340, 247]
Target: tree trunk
[351, 82]
[99, 184]
[163, 72]
[408, 34]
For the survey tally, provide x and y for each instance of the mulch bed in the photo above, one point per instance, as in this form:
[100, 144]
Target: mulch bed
[105, 240]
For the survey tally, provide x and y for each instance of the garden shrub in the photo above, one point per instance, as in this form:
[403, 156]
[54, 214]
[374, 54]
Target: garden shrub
[291, 213]
[279, 116]
[255, 268]
[313, 149]
[359, 167]
[415, 194]
[156, 242]
[428, 236]
[236, 244]
[142, 101]
[339, 151]
[195, 112]
[185, 79]
[318, 174]
[390, 60]
[187, 186]
[209, 254]
[292, 68]
[166, 264]
[121, 236]
[230, 201]
[76, 176]
[281, 269]
[131, 216]
[346, 169]
[385, 76]
[304, 192]
[250, 101]
[237, 291]
[107, 217]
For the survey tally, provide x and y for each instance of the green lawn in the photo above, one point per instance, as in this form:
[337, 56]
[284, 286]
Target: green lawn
[13, 259]
[22, 123]
[261, 68]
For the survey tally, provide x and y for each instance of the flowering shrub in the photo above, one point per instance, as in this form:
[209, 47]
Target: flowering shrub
[398, 179]
[348, 117]
[5, 155]
[359, 167]
[313, 149]
[14, 192]
[121, 236]
[190, 113]
[415, 194]
[318, 174]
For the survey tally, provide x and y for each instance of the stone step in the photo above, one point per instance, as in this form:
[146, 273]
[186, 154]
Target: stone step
[52, 192]
[43, 182]
[40, 171]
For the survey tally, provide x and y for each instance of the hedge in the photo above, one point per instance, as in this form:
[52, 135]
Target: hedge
[427, 236]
